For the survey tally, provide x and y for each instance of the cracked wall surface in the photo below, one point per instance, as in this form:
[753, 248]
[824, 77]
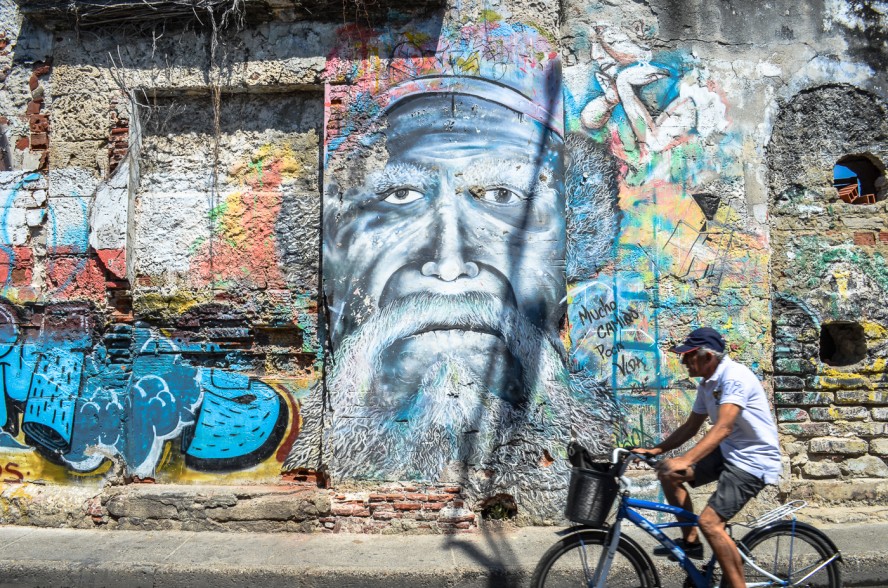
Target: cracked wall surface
[420, 250]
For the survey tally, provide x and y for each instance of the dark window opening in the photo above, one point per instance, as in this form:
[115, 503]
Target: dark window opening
[859, 180]
[842, 343]
[499, 508]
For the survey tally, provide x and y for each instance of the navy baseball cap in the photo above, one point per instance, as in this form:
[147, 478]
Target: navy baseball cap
[702, 337]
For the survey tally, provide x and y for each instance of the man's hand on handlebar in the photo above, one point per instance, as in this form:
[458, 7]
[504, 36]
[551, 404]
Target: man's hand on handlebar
[649, 451]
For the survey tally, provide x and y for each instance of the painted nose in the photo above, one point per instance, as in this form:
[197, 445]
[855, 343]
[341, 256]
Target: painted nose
[450, 262]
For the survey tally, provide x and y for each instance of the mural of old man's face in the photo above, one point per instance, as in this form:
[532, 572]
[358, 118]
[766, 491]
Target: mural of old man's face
[445, 280]
[445, 235]
[448, 261]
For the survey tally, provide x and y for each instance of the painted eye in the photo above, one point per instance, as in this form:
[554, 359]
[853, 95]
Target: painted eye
[500, 196]
[403, 196]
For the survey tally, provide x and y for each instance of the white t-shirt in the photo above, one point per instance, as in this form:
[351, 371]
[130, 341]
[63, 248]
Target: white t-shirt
[752, 446]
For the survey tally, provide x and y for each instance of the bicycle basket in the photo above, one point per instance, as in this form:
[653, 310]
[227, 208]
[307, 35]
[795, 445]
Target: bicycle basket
[591, 494]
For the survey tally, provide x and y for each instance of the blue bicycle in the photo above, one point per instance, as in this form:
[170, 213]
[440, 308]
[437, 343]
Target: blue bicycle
[777, 551]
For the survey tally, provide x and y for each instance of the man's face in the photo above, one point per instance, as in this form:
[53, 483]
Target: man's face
[467, 213]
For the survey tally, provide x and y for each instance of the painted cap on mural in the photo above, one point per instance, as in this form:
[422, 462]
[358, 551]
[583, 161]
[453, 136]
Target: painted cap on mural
[702, 337]
[510, 64]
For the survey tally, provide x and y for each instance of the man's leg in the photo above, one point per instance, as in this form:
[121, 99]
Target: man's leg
[713, 527]
[677, 495]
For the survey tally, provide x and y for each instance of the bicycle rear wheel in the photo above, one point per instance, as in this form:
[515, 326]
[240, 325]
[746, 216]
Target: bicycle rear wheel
[794, 552]
[572, 562]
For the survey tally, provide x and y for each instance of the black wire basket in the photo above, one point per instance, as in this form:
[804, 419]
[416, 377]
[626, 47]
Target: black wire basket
[591, 494]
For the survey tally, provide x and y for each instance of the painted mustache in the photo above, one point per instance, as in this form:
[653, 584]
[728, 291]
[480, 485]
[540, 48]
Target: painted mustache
[425, 312]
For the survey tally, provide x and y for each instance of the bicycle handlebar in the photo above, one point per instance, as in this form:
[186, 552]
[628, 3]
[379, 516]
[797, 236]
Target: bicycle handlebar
[651, 461]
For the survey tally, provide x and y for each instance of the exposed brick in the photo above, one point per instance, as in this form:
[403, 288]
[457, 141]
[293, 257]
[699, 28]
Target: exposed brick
[22, 143]
[838, 445]
[350, 510]
[38, 123]
[464, 525]
[803, 398]
[41, 69]
[407, 506]
[883, 237]
[864, 238]
[377, 498]
[434, 505]
[386, 515]
[839, 413]
[394, 497]
[451, 489]
[859, 397]
[440, 497]
[33, 82]
[34, 107]
[791, 415]
[419, 497]
[39, 140]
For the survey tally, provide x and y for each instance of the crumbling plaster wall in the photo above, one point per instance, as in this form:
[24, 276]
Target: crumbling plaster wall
[163, 193]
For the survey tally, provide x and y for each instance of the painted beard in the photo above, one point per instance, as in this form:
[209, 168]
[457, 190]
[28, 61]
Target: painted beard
[452, 428]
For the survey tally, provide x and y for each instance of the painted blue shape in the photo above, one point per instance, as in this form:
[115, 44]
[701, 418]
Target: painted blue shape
[17, 368]
[7, 441]
[52, 397]
[237, 416]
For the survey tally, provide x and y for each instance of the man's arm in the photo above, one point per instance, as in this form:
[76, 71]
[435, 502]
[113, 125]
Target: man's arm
[727, 414]
[679, 436]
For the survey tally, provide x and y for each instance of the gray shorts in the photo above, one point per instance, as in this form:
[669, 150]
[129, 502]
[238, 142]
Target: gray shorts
[735, 487]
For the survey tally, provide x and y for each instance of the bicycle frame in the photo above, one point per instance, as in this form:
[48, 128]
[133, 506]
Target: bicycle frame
[701, 579]
[625, 511]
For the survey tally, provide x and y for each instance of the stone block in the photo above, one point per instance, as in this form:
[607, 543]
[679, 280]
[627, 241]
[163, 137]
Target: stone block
[876, 429]
[81, 117]
[879, 446]
[861, 397]
[791, 415]
[839, 413]
[866, 466]
[89, 155]
[794, 366]
[803, 398]
[788, 383]
[841, 492]
[880, 414]
[838, 445]
[849, 382]
[806, 430]
[821, 469]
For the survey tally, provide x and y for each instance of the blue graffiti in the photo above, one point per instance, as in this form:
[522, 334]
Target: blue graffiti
[125, 397]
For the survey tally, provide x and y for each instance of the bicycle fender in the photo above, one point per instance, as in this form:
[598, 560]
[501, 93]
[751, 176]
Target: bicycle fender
[789, 526]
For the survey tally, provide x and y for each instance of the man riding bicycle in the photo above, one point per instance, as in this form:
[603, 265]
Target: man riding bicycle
[741, 450]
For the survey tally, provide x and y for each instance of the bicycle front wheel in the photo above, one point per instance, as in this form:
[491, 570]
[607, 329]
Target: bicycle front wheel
[573, 560]
[796, 553]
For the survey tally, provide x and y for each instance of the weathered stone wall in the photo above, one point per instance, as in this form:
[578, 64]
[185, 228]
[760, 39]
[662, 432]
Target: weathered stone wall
[407, 255]
[830, 284]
